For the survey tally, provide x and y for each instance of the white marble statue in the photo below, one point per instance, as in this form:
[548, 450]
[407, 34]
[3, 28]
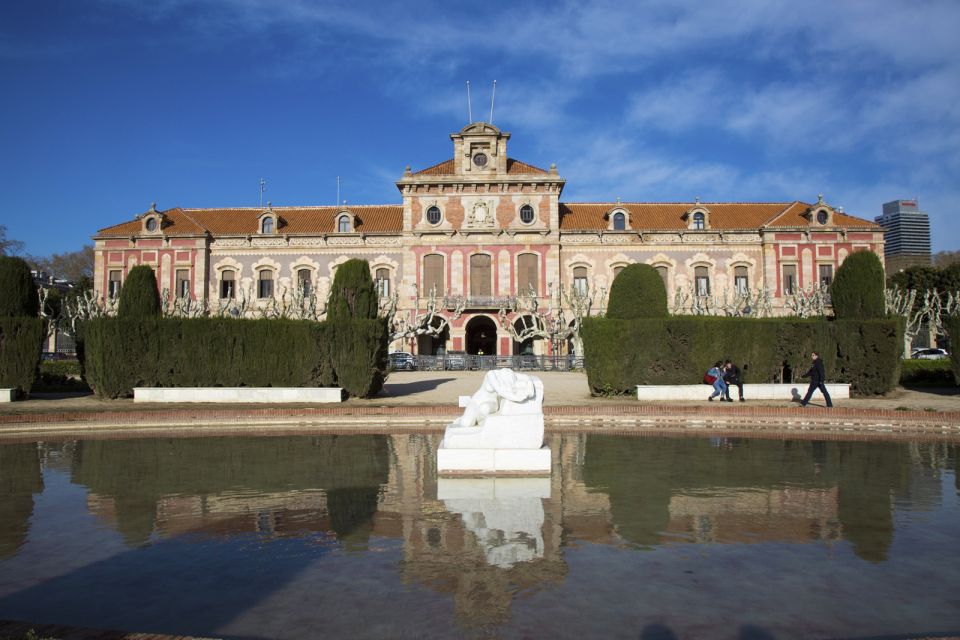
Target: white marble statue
[505, 413]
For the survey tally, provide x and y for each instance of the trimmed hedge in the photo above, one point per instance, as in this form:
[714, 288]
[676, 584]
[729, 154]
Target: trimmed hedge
[637, 292]
[120, 354]
[953, 330]
[620, 354]
[139, 297]
[926, 373]
[857, 289]
[21, 340]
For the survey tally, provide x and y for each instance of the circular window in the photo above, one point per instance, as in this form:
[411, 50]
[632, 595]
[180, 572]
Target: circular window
[480, 159]
[526, 214]
[822, 216]
[433, 215]
[151, 224]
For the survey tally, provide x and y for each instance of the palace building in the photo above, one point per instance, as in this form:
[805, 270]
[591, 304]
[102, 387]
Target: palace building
[478, 230]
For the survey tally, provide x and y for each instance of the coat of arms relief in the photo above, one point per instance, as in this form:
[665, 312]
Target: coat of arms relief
[481, 216]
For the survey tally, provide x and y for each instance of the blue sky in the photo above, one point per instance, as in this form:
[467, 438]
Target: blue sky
[110, 105]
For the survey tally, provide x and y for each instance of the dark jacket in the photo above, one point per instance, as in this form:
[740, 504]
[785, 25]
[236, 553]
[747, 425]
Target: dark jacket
[732, 375]
[816, 372]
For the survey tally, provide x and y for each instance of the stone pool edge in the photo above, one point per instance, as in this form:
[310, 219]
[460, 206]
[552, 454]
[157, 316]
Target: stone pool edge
[841, 423]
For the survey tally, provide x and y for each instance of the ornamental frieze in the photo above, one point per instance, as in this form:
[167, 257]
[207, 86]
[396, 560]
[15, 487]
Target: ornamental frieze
[618, 239]
[268, 242]
[663, 238]
[581, 239]
[229, 242]
[345, 241]
[383, 242]
[307, 242]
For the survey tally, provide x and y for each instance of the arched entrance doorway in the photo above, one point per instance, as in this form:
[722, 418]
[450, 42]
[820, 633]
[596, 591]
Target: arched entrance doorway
[481, 336]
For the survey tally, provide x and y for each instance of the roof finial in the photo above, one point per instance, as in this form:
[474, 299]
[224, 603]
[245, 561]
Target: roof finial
[269, 205]
[819, 198]
[618, 199]
[698, 199]
[153, 207]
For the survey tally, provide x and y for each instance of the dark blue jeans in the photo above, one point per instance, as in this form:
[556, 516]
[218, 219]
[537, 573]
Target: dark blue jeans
[823, 389]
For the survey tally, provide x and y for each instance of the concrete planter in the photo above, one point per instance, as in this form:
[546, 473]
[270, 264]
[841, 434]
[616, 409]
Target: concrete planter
[8, 395]
[239, 395]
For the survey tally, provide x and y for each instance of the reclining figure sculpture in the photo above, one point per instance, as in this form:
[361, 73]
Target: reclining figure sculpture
[505, 413]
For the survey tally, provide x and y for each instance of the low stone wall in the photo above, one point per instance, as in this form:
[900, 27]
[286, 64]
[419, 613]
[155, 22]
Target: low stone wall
[239, 395]
[785, 392]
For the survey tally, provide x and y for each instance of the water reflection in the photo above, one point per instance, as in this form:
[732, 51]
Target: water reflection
[487, 546]
[20, 479]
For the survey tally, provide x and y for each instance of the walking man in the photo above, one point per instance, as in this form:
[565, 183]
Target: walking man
[817, 378]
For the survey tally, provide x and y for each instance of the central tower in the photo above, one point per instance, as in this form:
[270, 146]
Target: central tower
[480, 149]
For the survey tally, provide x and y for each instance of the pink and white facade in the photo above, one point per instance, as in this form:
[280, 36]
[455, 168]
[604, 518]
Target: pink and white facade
[477, 229]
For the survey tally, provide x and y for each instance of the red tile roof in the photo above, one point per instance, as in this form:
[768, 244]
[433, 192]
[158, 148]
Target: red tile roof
[514, 167]
[724, 216]
[244, 220]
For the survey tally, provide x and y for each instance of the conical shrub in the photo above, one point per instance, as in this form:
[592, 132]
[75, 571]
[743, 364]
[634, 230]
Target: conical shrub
[637, 292]
[18, 293]
[352, 295]
[857, 289]
[139, 297]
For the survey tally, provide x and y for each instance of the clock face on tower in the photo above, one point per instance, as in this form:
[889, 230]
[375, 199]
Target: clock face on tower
[480, 159]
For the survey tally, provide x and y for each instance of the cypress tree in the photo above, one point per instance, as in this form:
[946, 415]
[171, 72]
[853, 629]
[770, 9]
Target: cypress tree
[352, 295]
[139, 297]
[18, 293]
[637, 292]
[857, 289]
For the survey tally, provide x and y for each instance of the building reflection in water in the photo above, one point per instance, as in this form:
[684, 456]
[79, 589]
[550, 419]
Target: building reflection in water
[488, 542]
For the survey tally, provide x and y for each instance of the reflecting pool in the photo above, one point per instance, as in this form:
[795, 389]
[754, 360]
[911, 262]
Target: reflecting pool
[355, 536]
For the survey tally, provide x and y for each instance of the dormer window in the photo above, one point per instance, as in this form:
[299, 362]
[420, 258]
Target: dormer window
[697, 217]
[699, 221]
[267, 226]
[343, 224]
[619, 221]
[152, 224]
[820, 213]
[152, 220]
[268, 221]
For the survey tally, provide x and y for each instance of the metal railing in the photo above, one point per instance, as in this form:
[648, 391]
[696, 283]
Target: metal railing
[467, 362]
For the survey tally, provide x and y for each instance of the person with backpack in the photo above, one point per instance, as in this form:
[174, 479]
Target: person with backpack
[714, 376]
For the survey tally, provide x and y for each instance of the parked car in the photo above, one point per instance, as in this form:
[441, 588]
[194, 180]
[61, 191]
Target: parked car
[456, 360]
[929, 354]
[403, 360]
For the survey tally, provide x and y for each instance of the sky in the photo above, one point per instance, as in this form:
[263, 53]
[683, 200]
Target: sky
[110, 105]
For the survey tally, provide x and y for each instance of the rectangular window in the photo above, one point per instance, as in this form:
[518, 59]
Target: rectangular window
[228, 289]
[580, 281]
[265, 284]
[702, 281]
[740, 282]
[382, 282]
[113, 285]
[304, 281]
[528, 274]
[789, 279]
[480, 285]
[826, 275]
[183, 283]
[433, 273]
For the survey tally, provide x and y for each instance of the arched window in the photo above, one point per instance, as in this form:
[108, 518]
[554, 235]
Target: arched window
[663, 271]
[267, 226]
[701, 278]
[343, 224]
[619, 221]
[433, 215]
[182, 277]
[382, 281]
[526, 214]
[265, 284]
[305, 281]
[433, 274]
[528, 274]
[480, 283]
[740, 281]
[228, 285]
[699, 222]
[580, 280]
